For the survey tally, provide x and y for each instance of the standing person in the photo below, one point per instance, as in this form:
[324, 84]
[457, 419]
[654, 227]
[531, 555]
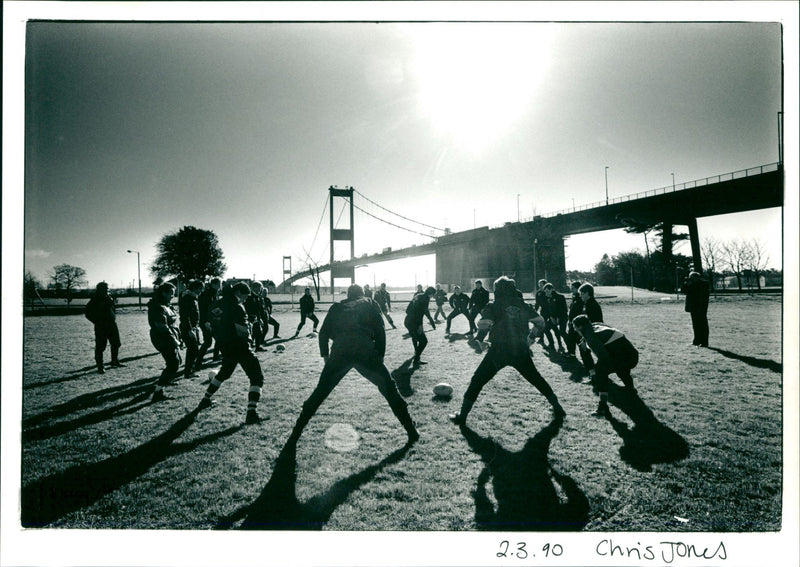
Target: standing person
[384, 301]
[204, 302]
[507, 320]
[460, 304]
[420, 290]
[575, 309]
[557, 314]
[102, 312]
[591, 308]
[697, 292]
[416, 310]
[439, 297]
[257, 315]
[165, 335]
[614, 352]
[359, 341]
[538, 302]
[367, 292]
[477, 301]
[543, 305]
[233, 334]
[307, 311]
[189, 310]
[270, 319]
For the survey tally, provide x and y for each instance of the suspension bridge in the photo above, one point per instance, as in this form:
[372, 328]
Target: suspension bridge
[533, 248]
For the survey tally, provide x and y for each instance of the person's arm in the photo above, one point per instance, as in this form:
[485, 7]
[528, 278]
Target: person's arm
[325, 332]
[485, 324]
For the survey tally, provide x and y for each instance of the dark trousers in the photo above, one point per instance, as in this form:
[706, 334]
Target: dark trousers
[493, 363]
[700, 327]
[208, 338]
[173, 359]
[385, 312]
[259, 333]
[439, 310]
[455, 313]
[371, 367]
[303, 317]
[621, 365]
[275, 327]
[572, 338]
[106, 334]
[418, 338]
[237, 353]
[191, 338]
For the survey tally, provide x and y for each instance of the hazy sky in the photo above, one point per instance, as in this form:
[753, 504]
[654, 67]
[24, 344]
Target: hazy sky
[136, 129]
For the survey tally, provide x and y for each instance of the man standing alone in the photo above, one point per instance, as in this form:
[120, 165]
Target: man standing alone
[307, 311]
[696, 290]
[102, 312]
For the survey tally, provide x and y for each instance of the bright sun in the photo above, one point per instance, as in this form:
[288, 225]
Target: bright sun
[476, 79]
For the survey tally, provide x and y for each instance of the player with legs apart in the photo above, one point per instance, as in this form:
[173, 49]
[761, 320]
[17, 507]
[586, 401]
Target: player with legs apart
[359, 341]
[204, 302]
[384, 301]
[460, 303]
[307, 311]
[416, 310]
[233, 336]
[189, 310]
[507, 322]
[614, 352]
[165, 335]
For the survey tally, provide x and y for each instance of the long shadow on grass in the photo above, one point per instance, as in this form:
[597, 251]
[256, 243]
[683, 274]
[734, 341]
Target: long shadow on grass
[92, 399]
[46, 500]
[402, 377]
[751, 360]
[277, 507]
[524, 486]
[85, 371]
[570, 364]
[649, 441]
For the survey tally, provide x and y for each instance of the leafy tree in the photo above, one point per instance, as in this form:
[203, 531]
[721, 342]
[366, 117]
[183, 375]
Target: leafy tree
[190, 253]
[68, 278]
[29, 286]
[737, 258]
[631, 264]
[606, 273]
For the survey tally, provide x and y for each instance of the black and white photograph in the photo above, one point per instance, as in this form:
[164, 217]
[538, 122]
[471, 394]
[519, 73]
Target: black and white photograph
[400, 283]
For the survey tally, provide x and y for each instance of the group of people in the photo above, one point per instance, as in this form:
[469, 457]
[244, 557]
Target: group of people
[237, 317]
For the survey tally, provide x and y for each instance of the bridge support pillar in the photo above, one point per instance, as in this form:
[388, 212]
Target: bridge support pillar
[694, 240]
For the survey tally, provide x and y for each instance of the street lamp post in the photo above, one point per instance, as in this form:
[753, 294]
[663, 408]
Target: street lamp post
[606, 185]
[673, 181]
[139, 274]
[517, 207]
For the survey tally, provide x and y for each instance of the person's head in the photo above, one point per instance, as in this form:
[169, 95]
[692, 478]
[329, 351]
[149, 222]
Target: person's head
[166, 291]
[438, 287]
[216, 283]
[256, 288]
[308, 291]
[430, 291]
[548, 289]
[457, 290]
[366, 287]
[419, 288]
[355, 291]
[195, 287]
[240, 291]
[582, 324]
[694, 276]
[541, 283]
[586, 291]
[504, 286]
[383, 286]
[102, 288]
[478, 284]
[575, 287]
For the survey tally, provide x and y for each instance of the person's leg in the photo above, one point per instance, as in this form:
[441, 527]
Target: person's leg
[314, 318]
[704, 329]
[207, 339]
[100, 340]
[486, 370]
[524, 365]
[229, 362]
[561, 333]
[172, 358]
[695, 327]
[422, 342]
[378, 374]
[601, 383]
[302, 322]
[192, 350]
[276, 327]
[623, 365]
[115, 343]
[252, 368]
[331, 375]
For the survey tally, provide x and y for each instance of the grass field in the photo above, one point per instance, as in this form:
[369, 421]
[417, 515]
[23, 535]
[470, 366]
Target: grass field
[697, 449]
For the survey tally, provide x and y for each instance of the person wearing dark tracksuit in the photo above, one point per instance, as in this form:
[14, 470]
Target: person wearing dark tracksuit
[507, 320]
[257, 315]
[384, 301]
[307, 311]
[477, 301]
[359, 341]
[696, 290]
[165, 335]
[190, 325]
[204, 302]
[460, 303]
[416, 310]
[575, 309]
[440, 298]
[557, 314]
[614, 352]
[276, 327]
[591, 308]
[233, 335]
[102, 312]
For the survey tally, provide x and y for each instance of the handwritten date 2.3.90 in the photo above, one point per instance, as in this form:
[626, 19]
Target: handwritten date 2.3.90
[520, 550]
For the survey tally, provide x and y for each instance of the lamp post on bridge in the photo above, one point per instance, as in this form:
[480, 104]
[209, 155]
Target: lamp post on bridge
[673, 181]
[139, 274]
[606, 185]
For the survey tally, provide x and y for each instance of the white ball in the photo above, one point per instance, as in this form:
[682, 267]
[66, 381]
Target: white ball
[212, 374]
[443, 390]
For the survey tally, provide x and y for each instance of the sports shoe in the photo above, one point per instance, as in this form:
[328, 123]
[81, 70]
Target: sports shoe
[205, 403]
[158, 396]
[252, 418]
[457, 418]
[602, 410]
[101, 370]
[116, 364]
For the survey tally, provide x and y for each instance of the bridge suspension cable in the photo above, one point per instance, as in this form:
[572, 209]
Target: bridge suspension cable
[396, 214]
[393, 224]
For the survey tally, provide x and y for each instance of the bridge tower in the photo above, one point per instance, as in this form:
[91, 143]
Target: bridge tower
[347, 234]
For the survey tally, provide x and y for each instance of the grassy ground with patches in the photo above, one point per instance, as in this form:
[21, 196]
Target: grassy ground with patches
[697, 449]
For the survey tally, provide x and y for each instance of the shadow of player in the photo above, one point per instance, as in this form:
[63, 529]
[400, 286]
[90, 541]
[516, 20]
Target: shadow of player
[751, 360]
[530, 494]
[277, 507]
[46, 500]
[573, 365]
[85, 371]
[402, 377]
[649, 441]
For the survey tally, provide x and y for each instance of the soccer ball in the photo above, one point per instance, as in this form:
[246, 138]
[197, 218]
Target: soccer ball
[443, 390]
[212, 374]
[280, 348]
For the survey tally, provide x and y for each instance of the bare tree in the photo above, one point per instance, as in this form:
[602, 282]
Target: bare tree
[711, 249]
[67, 278]
[757, 259]
[737, 258]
